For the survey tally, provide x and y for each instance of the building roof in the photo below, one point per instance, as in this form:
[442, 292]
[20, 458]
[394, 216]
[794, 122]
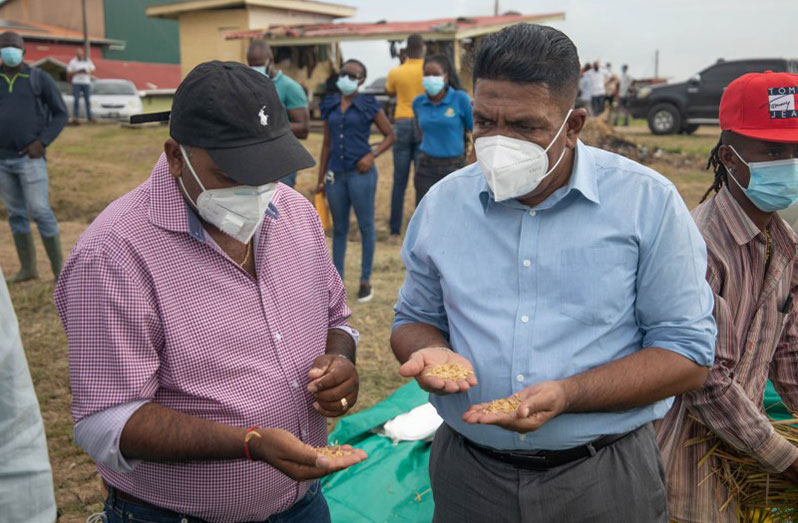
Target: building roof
[52, 33]
[175, 9]
[146, 76]
[437, 29]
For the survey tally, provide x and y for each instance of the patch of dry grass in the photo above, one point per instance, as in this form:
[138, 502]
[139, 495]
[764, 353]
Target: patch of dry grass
[92, 165]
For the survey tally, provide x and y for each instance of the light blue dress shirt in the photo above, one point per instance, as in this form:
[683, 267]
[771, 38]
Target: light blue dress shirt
[605, 266]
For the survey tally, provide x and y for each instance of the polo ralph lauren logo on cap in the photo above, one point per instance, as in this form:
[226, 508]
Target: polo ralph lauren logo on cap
[783, 102]
[264, 118]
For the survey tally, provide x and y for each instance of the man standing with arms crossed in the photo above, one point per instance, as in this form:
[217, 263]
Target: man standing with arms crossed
[80, 69]
[405, 82]
[32, 114]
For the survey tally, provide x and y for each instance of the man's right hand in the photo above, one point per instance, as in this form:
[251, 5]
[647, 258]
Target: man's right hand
[423, 360]
[297, 460]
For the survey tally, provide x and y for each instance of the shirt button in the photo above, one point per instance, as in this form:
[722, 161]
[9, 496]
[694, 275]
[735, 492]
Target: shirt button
[522, 437]
[340, 136]
[519, 378]
[532, 212]
[524, 319]
[295, 384]
[278, 336]
[527, 263]
[304, 433]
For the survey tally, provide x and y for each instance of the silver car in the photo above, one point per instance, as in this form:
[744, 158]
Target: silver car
[110, 99]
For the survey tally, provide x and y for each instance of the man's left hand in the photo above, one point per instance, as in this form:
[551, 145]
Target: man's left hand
[365, 163]
[539, 404]
[34, 150]
[335, 384]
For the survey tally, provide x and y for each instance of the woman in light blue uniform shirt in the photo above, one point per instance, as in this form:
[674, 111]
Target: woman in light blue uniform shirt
[444, 118]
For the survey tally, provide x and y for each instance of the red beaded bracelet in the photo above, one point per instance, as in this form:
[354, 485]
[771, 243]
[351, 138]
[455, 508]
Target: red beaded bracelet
[250, 434]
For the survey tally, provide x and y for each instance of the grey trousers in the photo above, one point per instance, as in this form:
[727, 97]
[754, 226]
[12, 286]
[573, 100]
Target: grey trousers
[622, 483]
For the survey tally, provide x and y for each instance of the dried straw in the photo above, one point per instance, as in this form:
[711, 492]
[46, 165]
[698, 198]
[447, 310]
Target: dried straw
[760, 496]
[450, 371]
[503, 406]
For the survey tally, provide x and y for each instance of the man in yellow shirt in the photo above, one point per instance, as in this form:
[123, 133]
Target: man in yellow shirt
[404, 82]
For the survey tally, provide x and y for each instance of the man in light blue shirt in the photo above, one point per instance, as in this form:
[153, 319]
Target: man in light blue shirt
[568, 276]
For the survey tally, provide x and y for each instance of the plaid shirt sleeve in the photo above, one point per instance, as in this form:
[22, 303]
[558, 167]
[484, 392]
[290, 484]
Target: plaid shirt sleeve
[723, 405]
[113, 331]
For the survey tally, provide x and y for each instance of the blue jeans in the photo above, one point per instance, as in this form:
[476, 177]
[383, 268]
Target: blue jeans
[405, 152]
[353, 189]
[597, 103]
[23, 186]
[310, 509]
[79, 90]
[289, 180]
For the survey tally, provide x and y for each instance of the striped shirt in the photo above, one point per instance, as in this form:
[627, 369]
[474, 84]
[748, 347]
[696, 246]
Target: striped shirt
[756, 341]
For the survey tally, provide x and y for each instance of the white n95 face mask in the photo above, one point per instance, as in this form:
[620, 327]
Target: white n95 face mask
[513, 167]
[237, 211]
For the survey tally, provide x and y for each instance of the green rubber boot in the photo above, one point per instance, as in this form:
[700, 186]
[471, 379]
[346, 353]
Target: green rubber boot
[26, 250]
[52, 246]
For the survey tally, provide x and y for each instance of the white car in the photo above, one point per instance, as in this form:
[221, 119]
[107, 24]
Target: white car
[110, 99]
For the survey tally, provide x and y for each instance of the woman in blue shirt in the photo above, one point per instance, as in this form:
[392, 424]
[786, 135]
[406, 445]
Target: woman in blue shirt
[346, 171]
[443, 116]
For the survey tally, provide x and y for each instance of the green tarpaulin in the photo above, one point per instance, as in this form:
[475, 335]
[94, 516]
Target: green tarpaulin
[392, 485]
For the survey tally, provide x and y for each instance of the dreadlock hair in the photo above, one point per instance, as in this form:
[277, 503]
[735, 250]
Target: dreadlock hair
[721, 175]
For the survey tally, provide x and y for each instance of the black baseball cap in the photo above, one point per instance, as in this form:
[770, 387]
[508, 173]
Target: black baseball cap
[234, 113]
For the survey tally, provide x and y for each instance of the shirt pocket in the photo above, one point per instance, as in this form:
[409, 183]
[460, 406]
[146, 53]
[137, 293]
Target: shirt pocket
[597, 283]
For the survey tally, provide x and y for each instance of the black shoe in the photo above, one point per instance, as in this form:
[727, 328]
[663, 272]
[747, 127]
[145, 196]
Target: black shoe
[365, 293]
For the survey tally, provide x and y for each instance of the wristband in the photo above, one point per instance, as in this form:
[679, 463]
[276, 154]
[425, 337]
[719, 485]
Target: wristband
[249, 435]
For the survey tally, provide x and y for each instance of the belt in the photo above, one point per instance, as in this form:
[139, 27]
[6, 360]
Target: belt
[546, 459]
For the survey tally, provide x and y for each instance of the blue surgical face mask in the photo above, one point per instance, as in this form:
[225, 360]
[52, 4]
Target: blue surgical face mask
[433, 84]
[11, 56]
[346, 85]
[773, 186]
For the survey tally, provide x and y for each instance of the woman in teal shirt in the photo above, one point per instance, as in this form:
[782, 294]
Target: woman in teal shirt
[443, 116]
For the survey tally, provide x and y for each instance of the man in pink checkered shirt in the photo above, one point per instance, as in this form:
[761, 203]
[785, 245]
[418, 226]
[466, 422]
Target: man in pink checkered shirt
[202, 311]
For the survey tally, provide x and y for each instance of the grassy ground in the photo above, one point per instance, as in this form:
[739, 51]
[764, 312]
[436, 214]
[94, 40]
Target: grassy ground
[92, 165]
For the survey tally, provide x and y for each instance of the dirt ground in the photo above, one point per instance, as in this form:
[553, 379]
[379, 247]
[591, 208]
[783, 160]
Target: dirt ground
[92, 165]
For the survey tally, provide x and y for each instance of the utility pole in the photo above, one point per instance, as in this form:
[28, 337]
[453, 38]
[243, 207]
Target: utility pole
[86, 45]
[656, 62]
[495, 7]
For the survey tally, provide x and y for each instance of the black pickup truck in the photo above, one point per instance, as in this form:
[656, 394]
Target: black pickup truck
[682, 107]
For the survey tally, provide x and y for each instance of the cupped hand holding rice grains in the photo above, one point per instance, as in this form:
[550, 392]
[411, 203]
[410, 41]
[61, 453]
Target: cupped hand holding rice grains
[439, 370]
[525, 411]
[298, 460]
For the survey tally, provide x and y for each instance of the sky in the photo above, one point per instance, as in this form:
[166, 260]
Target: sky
[690, 34]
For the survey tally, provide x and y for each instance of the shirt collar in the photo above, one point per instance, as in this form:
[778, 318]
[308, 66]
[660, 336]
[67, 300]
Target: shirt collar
[584, 179]
[447, 98]
[277, 75]
[743, 229]
[739, 224]
[166, 201]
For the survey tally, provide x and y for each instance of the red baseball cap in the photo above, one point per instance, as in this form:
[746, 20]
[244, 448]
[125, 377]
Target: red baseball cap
[763, 106]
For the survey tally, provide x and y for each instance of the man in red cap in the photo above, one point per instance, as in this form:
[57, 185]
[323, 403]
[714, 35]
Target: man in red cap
[752, 271]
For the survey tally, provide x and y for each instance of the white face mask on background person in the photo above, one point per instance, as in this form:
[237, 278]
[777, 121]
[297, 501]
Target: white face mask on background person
[237, 211]
[513, 167]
